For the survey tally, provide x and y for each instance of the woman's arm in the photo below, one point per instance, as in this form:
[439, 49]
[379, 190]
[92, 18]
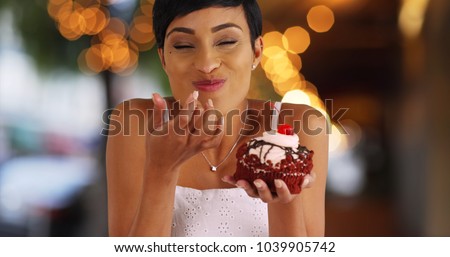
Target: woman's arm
[140, 198]
[143, 159]
[305, 214]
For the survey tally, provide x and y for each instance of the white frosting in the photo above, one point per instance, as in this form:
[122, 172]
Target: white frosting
[273, 153]
[280, 139]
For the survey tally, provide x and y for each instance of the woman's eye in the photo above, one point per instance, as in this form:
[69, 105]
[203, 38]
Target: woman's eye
[180, 47]
[227, 42]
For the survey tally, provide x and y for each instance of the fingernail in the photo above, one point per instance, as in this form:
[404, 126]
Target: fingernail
[278, 183]
[257, 184]
[306, 182]
[166, 116]
[210, 102]
[156, 97]
[195, 95]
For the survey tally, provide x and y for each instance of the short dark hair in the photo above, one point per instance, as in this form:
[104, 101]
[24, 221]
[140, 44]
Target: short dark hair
[165, 11]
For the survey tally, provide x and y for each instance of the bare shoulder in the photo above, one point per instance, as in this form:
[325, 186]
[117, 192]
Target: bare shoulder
[307, 120]
[132, 106]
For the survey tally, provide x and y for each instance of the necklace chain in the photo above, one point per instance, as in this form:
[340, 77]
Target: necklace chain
[214, 168]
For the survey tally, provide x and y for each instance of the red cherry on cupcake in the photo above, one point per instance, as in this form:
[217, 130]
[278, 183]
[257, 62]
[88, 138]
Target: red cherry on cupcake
[285, 129]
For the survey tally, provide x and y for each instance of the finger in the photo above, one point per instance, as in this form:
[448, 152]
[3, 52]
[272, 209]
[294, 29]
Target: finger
[215, 137]
[209, 104]
[309, 180]
[247, 188]
[283, 193]
[196, 122]
[212, 119]
[161, 112]
[185, 114]
[263, 190]
[229, 179]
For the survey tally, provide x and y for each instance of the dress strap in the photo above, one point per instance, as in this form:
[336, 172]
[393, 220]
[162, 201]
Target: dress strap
[275, 116]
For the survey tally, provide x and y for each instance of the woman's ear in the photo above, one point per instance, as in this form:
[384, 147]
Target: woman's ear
[161, 57]
[259, 47]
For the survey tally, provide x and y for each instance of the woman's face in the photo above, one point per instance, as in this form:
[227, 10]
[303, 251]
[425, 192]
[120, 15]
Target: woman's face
[209, 50]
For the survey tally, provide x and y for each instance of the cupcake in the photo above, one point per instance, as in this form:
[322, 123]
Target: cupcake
[275, 155]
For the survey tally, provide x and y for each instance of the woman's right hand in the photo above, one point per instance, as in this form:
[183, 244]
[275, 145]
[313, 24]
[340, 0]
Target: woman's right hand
[169, 143]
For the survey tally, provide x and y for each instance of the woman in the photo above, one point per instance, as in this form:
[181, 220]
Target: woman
[159, 174]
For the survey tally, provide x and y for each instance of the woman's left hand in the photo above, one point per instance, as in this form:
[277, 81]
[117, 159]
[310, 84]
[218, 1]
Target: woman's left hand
[259, 188]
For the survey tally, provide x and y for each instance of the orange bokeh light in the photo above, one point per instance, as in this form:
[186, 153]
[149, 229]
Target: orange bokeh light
[114, 45]
[296, 40]
[273, 38]
[320, 18]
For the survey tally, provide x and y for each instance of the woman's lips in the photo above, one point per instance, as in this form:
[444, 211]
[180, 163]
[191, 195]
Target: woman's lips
[209, 85]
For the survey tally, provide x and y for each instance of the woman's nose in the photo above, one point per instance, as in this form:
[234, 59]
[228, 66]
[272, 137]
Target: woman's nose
[207, 61]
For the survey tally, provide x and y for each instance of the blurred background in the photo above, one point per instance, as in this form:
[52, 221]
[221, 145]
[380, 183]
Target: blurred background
[380, 69]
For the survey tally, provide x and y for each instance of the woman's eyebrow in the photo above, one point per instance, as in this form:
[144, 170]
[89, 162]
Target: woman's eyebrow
[225, 26]
[214, 29]
[182, 30]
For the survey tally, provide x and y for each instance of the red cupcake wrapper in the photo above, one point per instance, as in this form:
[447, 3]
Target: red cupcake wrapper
[291, 171]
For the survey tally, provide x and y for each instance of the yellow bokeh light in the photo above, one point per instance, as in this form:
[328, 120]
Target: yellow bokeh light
[88, 3]
[280, 70]
[296, 60]
[131, 65]
[143, 24]
[273, 52]
[69, 26]
[316, 102]
[54, 7]
[320, 18]
[58, 2]
[96, 19]
[82, 63]
[141, 33]
[273, 38]
[310, 88]
[94, 59]
[295, 82]
[412, 17]
[118, 26]
[147, 9]
[337, 140]
[296, 40]
[296, 96]
[114, 45]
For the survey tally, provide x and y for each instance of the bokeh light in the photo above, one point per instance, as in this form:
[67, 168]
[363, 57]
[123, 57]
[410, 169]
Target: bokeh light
[115, 44]
[320, 18]
[296, 40]
[337, 140]
[273, 38]
[141, 33]
[412, 17]
[296, 97]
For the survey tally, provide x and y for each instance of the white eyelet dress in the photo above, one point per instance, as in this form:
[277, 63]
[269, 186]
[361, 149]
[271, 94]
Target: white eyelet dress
[218, 213]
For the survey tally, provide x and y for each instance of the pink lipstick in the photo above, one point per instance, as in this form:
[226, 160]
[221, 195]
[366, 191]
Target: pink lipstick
[209, 85]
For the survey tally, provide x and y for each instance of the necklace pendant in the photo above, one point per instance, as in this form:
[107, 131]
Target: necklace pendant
[213, 168]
